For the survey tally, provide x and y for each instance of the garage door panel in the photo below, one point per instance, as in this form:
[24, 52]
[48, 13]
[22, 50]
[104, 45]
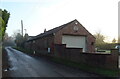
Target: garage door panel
[74, 41]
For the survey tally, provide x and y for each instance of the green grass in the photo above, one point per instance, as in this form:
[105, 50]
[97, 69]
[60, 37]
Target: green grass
[84, 67]
[106, 51]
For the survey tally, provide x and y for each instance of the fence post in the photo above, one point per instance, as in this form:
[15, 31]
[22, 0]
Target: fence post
[115, 58]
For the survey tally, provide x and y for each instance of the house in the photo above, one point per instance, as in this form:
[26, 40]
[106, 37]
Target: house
[71, 35]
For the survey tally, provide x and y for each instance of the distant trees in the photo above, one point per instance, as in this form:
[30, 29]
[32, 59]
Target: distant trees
[114, 40]
[99, 39]
[4, 17]
[20, 40]
[101, 44]
[8, 40]
[26, 36]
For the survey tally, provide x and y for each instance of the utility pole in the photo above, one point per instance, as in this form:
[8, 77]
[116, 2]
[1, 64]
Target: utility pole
[22, 27]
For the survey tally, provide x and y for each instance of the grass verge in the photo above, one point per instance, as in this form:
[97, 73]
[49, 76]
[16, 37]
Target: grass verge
[105, 51]
[5, 63]
[84, 67]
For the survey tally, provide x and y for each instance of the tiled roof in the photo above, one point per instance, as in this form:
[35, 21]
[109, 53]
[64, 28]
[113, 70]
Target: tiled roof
[49, 32]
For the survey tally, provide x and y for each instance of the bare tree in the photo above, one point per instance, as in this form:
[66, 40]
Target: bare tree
[99, 38]
[114, 40]
[8, 40]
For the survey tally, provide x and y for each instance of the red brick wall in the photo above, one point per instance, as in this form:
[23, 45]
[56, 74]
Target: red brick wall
[81, 31]
[41, 44]
[45, 42]
[109, 61]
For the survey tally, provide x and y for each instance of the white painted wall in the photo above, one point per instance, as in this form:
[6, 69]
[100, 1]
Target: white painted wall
[74, 41]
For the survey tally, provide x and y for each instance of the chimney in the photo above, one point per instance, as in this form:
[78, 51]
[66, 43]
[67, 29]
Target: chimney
[44, 30]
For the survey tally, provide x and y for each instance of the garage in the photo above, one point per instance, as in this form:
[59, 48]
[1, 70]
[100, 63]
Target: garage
[76, 37]
[74, 41]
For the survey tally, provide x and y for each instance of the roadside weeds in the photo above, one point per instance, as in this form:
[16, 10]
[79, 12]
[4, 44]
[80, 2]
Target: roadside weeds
[5, 64]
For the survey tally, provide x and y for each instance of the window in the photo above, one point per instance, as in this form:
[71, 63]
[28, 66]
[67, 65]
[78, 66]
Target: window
[75, 28]
[92, 43]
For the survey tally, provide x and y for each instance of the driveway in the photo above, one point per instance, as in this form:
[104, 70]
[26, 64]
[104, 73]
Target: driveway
[23, 65]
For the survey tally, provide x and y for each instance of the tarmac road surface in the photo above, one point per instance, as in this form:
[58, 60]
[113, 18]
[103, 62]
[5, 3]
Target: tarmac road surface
[23, 65]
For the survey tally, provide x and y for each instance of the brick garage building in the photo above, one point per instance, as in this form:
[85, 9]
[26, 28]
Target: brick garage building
[71, 35]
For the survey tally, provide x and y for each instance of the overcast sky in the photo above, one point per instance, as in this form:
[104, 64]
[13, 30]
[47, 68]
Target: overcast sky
[94, 15]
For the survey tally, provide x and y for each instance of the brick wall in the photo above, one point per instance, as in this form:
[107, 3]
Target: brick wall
[68, 30]
[93, 59]
[109, 61]
[41, 44]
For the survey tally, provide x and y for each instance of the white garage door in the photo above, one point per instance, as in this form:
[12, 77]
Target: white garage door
[74, 41]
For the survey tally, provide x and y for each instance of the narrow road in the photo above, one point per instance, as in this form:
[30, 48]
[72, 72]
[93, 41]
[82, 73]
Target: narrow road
[23, 65]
